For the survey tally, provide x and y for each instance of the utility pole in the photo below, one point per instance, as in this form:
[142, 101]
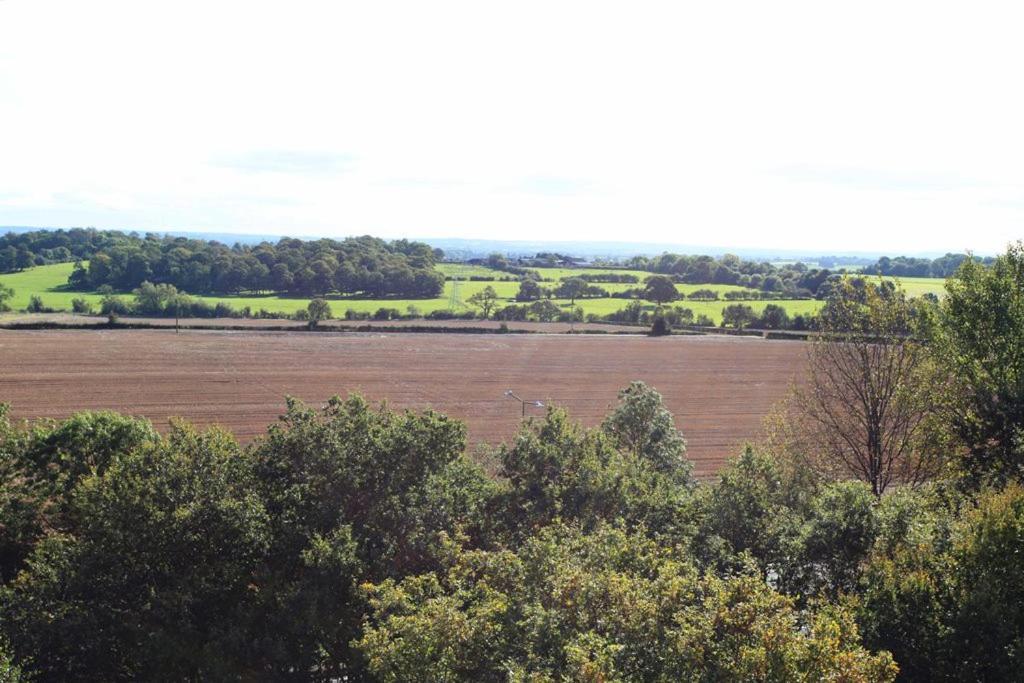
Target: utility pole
[523, 402]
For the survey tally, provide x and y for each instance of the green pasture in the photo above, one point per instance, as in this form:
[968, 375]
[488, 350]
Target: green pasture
[49, 283]
[465, 270]
[557, 274]
[916, 286]
[46, 281]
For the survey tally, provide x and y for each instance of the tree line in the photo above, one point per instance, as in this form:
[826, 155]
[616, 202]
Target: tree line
[796, 280]
[907, 266]
[873, 534]
[365, 266]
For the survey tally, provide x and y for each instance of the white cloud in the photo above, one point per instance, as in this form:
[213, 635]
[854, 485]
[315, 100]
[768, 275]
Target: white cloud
[811, 125]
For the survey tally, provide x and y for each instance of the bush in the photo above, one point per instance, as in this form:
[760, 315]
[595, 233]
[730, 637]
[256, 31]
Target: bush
[661, 327]
[224, 310]
[738, 316]
[115, 305]
[317, 310]
[35, 305]
[79, 305]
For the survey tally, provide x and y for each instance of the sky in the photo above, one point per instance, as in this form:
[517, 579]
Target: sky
[870, 126]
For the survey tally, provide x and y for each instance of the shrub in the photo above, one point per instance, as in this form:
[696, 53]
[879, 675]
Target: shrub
[661, 327]
[115, 305]
[223, 310]
[35, 305]
[318, 310]
[738, 316]
[79, 305]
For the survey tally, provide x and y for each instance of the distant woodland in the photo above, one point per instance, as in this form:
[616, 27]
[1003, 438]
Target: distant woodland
[364, 265]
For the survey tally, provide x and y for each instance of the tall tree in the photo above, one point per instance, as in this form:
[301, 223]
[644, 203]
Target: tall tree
[979, 341]
[529, 290]
[862, 410]
[486, 299]
[643, 426]
[571, 289]
[660, 289]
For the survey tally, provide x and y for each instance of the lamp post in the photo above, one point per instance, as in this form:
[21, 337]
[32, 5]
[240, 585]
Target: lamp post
[523, 402]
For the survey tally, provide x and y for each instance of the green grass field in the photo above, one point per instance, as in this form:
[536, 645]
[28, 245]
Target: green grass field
[916, 286]
[466, 271]
[49, 281]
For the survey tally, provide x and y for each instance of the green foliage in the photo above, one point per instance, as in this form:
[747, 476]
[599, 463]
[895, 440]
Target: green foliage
[485, 300]
[641, 425]
[774, 317]
[979, 342]
[356, 541]
[355, 494]
[81, 306]
[738, 316]
[529, 290]
[41, 467]
[35, 304]
[752, 512]
[544, 310]
[6, 294]
[159, 299]
[114, 305]
[556, 470]
[835, 540]
[948, 600]
[577, 288]
[601, 606]
[50, 282]
[152, 578]
[10, 672]
[660, 289]
[318, 310]
[125, 261]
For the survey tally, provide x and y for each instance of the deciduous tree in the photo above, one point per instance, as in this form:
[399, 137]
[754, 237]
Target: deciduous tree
[486, 299]
[660, 289]
[318, 309]
[979, 343]
[861, 412]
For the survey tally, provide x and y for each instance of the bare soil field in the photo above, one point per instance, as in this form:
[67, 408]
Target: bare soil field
[719, 388]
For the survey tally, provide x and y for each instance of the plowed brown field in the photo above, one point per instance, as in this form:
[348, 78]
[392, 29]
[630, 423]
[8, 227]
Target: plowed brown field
[718, 388]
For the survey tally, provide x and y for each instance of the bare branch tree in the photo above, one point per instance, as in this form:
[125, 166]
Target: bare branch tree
[863, 410]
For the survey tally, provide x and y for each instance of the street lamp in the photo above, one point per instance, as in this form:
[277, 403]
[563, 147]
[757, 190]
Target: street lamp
[524, 403]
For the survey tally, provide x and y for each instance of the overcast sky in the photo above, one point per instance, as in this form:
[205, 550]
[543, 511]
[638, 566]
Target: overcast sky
[890, 126]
